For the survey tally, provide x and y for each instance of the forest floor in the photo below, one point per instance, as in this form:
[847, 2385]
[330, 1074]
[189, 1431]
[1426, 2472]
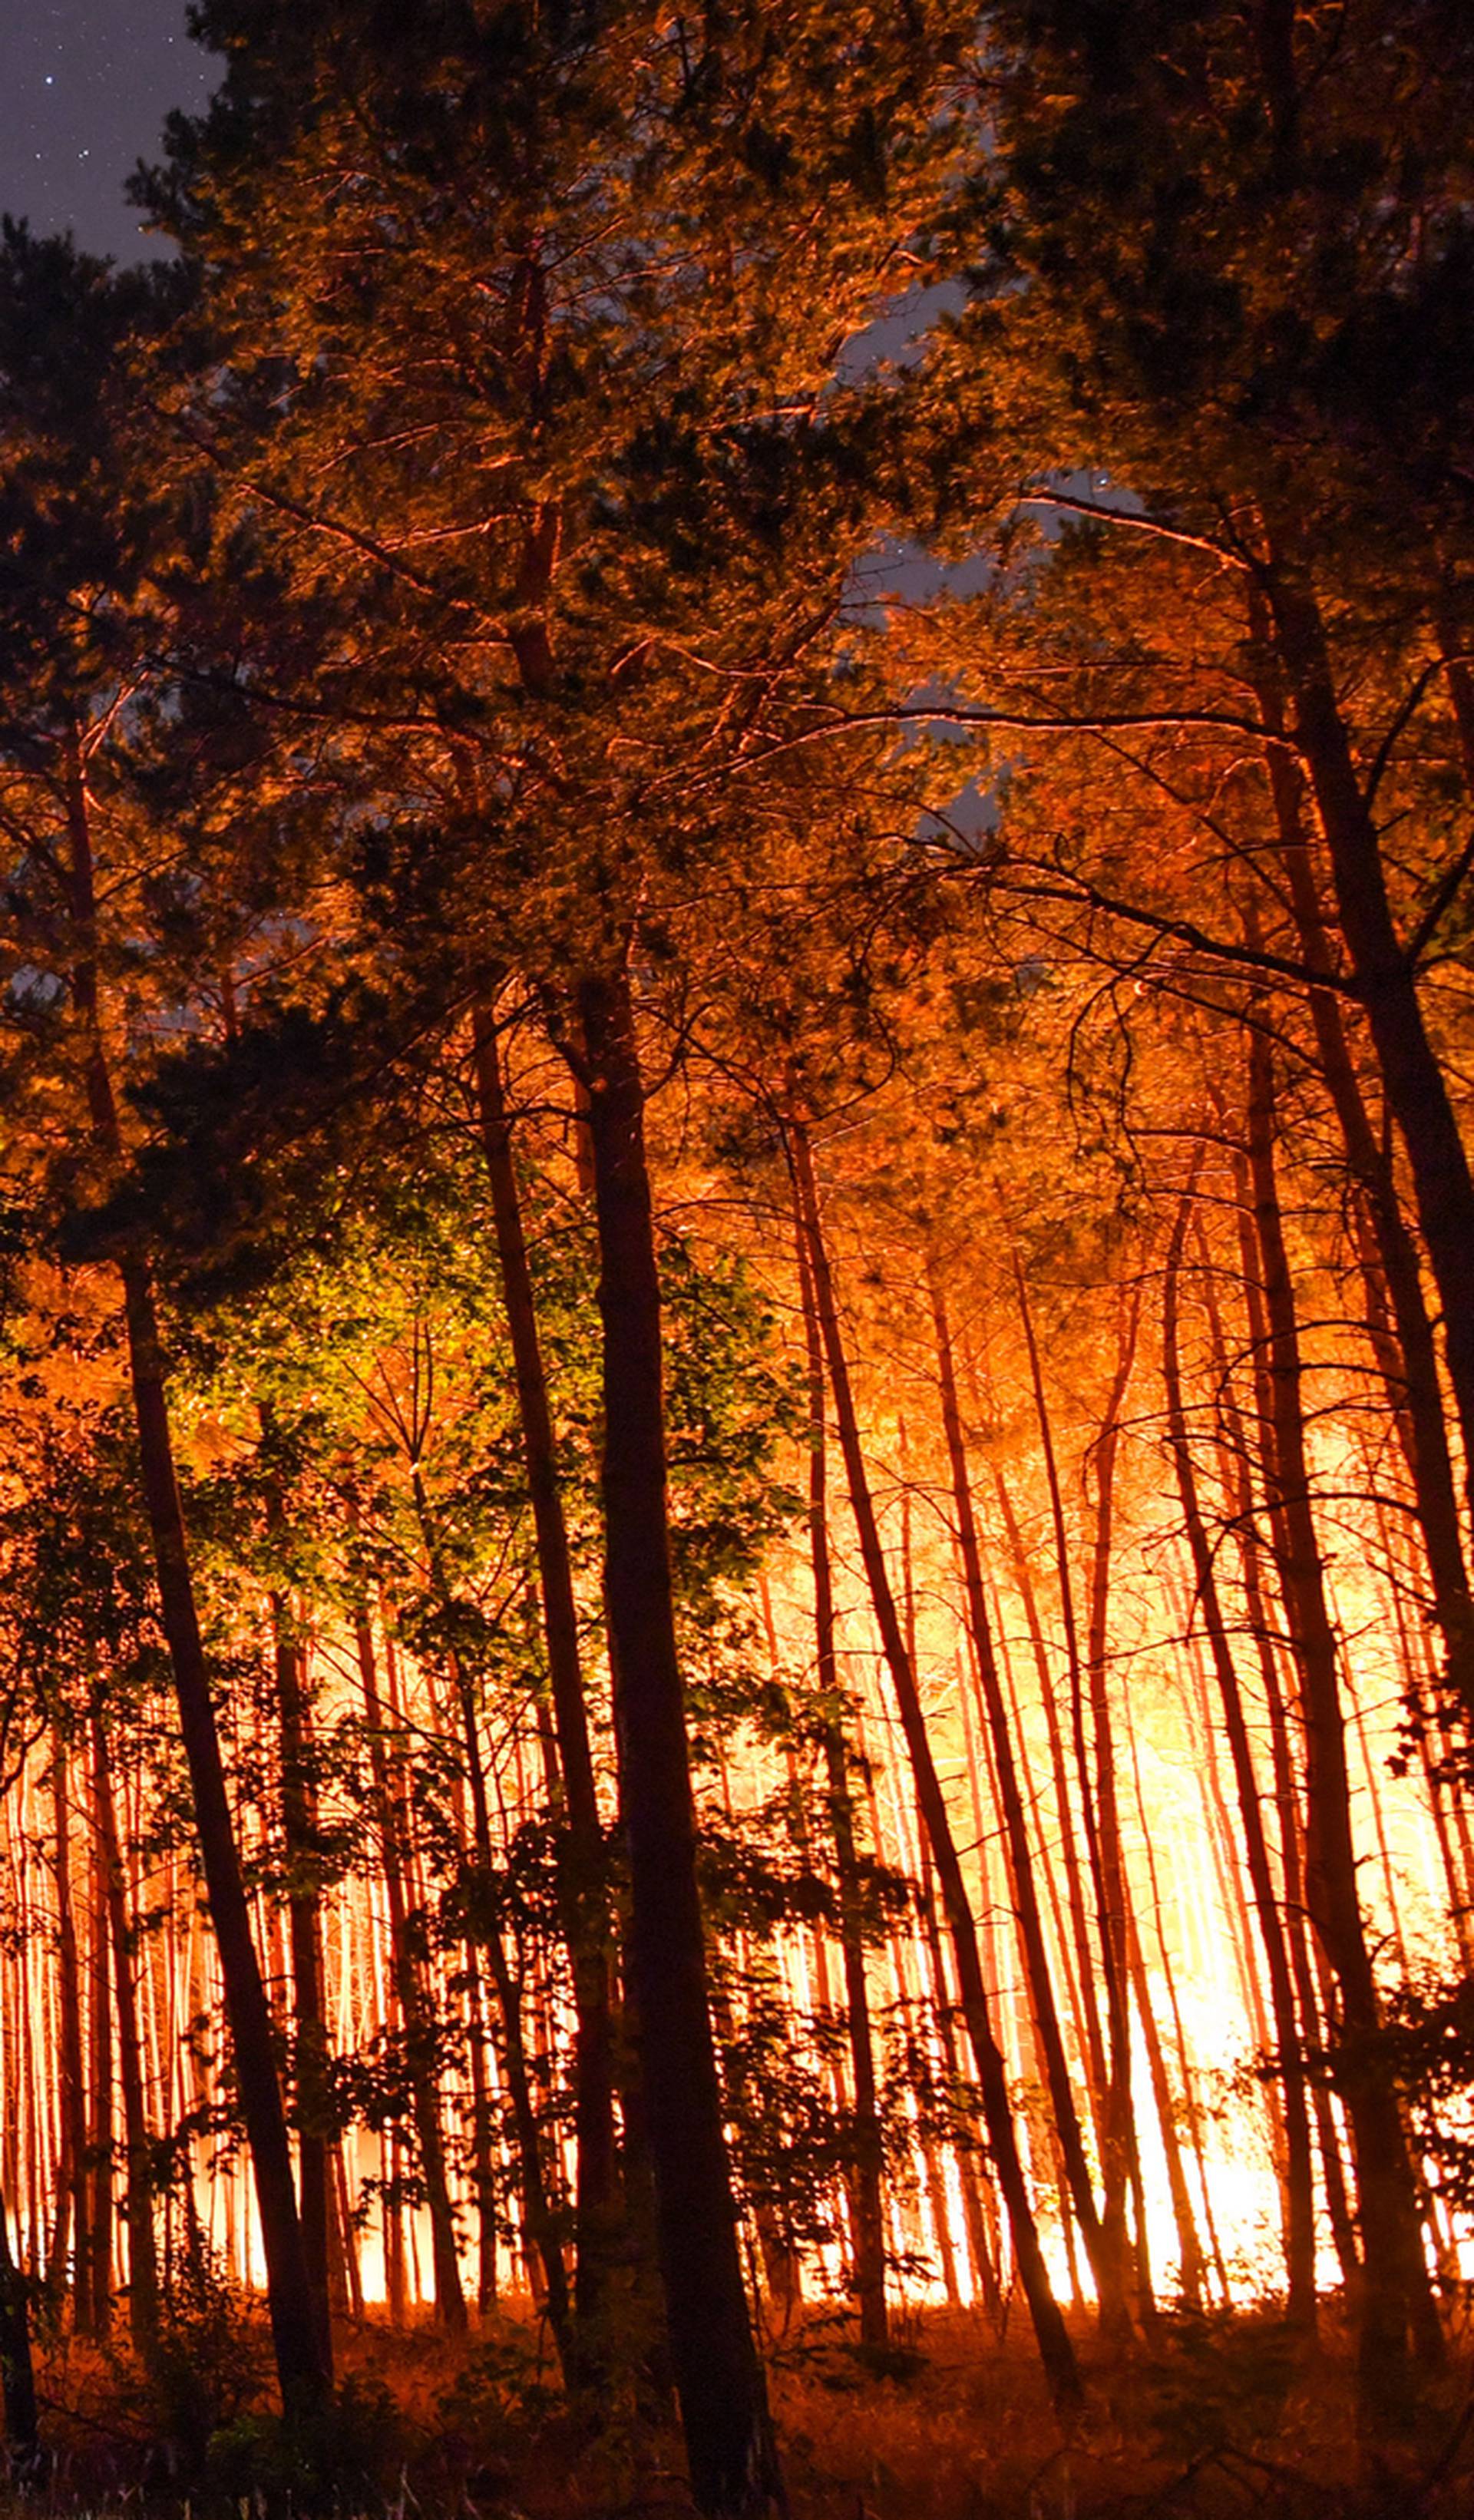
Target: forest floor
[1218, 2420]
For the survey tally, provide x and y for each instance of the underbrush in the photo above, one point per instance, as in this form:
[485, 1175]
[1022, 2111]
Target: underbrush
[1215, 2419]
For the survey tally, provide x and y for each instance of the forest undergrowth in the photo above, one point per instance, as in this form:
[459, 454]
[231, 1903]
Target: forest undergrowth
[1213, 2416]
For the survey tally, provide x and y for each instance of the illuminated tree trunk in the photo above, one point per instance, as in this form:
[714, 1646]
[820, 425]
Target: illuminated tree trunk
[347, 2237]
[1408, 1359]
[1061, 1939]
[719, 2380]
[1102, 1825]
[974, 2220]
[100, 2130]
[395, 2258]
[1299, 2196]
[1103, 2077]
[863, 2193]
[583, 1888]
[1055, 2350]
[72, 2197]
[303, 2376]
[304, 1925]
[1082, 1977]
[143, 2256]
[1225, 1841]
[482, 2162]
[1190, 2102]
[933, 2169]
[1386, 980]
[1398, 2312]
[1103, 2264]
[1235, 1468]
[25, 2006]
[419, 2026]
[540, 2221]
[867, 2207]
[1189, 2250]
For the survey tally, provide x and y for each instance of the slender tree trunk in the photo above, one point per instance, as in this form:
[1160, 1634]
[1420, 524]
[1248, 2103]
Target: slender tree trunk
[1189, 2248]
[483, 2167]
[867, 2206]
[718, 2379]
[300, 1837]
[973, 2218]
[1191, 2103]
[1102, 1827]
[1385, 977]
[352, 2273]
[1104, 2265]
[1055, 2350]
[1114, 2215]
[100, 2132]
[539, 2219]
[1083, 1981]
[1105, 2077]
[1299, 2204]
[395, 2263]
[583, 1887]
[143, 2256]
[74, 2170]
[1408, 1361]
[1238, 1480]
[1397, 2311]
[304, 2378]
[419, 2026]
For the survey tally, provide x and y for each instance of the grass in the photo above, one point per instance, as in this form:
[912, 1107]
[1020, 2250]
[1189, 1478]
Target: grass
[1220, 2419]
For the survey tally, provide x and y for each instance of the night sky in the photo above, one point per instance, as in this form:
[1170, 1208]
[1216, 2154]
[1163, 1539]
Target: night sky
[84, 89]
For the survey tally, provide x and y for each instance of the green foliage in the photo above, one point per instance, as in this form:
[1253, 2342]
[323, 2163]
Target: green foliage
[342, 2456]
[206, 2368]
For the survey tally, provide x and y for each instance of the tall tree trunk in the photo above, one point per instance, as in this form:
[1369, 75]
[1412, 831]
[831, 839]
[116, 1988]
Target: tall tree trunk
[583, 1887]
[718, 2379]
[72, 2180]
[100, 2131]
[1113, 2225]
[1299, 2204]
[1398, 2312]
[867, 2206]
[482, 2162]
[404, 1959]
[304, 2377]
[1408, 1361]
[1087, 2013]
[1189, 2248]
[539, 2217]
[1385, 976]
[1190, 2104]
[1055, 2350]
[1236, 1469]
[299, 1838]
[143, 2255]
[1102, 1825]
[1105, 2266]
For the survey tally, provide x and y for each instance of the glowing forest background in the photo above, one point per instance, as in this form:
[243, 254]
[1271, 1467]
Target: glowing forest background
[737, 1340]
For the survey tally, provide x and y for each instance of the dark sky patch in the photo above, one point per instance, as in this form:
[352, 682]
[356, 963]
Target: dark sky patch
[84, 89]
